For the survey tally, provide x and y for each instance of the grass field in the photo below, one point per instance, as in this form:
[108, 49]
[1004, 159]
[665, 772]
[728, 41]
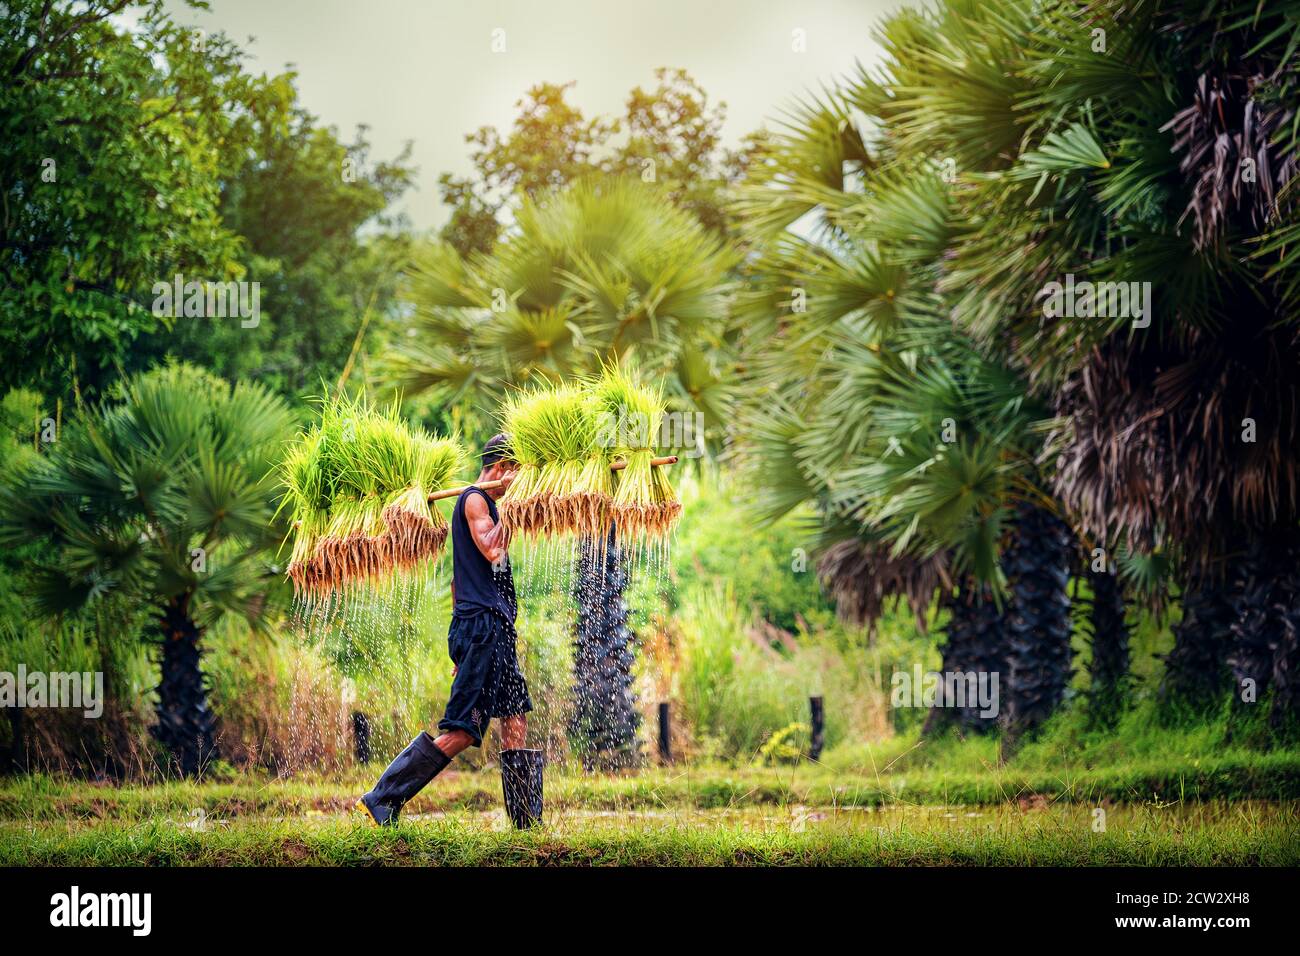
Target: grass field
[1228, 812]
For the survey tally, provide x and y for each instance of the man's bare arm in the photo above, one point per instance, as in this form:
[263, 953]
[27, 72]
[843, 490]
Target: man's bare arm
[486, 533]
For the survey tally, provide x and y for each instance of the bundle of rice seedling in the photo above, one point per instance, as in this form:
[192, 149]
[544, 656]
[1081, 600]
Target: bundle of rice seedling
[309, 501]
[570, 442]
[519, 506]
[663, 501]
[357, 486]
[594, 493]
[552, 436]
[630, 415]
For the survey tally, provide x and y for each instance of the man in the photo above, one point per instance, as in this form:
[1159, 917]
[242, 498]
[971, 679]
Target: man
[486, 679]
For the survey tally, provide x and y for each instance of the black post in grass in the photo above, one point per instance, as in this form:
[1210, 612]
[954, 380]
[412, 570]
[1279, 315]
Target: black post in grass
[17, 757]
[818, 709]
[665, 733]
[361, 736]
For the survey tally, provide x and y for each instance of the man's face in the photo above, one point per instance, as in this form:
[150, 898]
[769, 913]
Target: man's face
[502, 469]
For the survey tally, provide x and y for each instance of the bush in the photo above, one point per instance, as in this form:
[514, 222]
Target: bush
[770, 569]
[736, 691]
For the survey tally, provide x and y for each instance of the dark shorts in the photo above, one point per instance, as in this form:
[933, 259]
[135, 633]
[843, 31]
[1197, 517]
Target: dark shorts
[488, 681]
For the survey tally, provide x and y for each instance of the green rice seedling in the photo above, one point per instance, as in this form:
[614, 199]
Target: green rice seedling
[309, 503]
[630, 414]
[416, 530]
[553, 438]
[522, 417]
[571, 438]
[357, 486]
[666, 508]
[595, 491]
[565, 438]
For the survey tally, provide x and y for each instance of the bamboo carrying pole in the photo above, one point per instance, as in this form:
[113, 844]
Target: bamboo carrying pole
[453, 492]
[617, 466]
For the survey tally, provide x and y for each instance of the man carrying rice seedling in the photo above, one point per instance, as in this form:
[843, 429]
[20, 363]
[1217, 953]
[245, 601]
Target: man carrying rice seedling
[488, 682]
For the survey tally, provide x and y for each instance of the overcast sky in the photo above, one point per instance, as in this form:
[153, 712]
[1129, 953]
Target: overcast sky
[425, 71]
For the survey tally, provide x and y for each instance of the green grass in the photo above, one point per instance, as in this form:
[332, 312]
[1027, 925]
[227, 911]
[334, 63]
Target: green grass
[1259, 777]
[1211, 834]
[902, 801]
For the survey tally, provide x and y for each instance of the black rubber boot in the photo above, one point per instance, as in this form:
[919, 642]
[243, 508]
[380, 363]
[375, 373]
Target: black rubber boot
[521, 784]
[406, 776]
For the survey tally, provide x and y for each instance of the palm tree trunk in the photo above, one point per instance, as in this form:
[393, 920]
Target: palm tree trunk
[956, 653]
[1254, 601]
[1196, 669]
[988, 655]
[605, 720]
[1109, 669]
[975, 643]
[1266, 600]
[185, 723]
[1037, 565]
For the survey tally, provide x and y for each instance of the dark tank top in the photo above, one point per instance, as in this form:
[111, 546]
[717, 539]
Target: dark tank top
[479, 589]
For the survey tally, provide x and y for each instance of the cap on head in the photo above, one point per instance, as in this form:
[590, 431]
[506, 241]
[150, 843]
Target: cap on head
[495, 450]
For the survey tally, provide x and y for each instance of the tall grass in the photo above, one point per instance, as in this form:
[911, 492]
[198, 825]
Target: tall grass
[738, 686]
[104, 642]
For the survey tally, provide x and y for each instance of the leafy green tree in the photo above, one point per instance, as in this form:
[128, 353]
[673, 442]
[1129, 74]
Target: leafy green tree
[669, 135]
[163, 495]
[21, 426]
[131, 157]
[113, 149]
[674, 135]
[473, 225]
[300, 203]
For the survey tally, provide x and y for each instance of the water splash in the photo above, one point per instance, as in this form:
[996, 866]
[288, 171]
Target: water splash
[388, 640]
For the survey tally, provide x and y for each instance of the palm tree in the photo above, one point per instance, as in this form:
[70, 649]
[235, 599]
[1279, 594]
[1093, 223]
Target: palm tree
[163, 495]
[1152, 143]
[921, 454]
[607, 270]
